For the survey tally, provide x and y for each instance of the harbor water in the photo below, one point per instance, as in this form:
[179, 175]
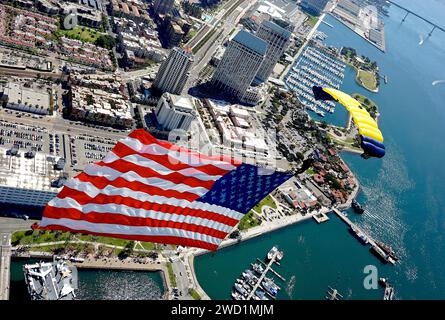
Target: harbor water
[403, 194]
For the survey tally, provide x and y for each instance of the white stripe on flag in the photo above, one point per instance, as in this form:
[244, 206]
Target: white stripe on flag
[92, 191]
[137, 212]
[185, 157]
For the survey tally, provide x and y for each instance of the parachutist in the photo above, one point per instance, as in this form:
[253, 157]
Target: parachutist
[365, 156]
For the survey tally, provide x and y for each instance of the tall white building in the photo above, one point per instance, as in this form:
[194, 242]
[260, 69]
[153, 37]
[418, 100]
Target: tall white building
[239, 64]
[277, 39]
[175, 112]
[163, 6]
[174, 71]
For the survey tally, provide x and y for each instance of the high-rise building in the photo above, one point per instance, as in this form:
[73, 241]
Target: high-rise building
[163, 6]
[175, 112]
[277, 39]
[240, 63]
[174, 71]
[314, 7]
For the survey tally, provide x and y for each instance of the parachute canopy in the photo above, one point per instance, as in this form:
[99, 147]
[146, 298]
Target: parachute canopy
[370, 135]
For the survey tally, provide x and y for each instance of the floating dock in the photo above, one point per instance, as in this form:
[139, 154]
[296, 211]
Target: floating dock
[320, 217]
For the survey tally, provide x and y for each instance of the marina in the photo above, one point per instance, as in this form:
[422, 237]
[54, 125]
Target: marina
[258, 286]
[317, 66]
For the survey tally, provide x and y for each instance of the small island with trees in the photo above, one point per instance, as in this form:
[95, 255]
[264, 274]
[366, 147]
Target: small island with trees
[367, 71]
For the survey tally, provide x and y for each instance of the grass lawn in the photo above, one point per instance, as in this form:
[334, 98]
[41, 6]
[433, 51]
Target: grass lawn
[248, 221]
[367, 103]
[148, 245]
[195, 295]
[312, 20]
[171, 274]
[81, 33]
[310, 171]
[367, 79]
[265, 202]
[34, 237]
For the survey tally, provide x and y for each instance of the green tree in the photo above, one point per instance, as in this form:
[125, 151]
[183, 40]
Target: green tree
[105, 41]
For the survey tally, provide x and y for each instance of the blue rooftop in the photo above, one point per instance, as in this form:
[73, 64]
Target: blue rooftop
[251, 41]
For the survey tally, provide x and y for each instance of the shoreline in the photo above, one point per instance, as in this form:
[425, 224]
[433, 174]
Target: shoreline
[361, 36]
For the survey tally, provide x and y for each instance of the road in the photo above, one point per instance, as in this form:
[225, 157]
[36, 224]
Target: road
[308, 38]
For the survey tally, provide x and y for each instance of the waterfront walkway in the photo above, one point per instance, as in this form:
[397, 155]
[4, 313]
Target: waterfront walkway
[5, 265]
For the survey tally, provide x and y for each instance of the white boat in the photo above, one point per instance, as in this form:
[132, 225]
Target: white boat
[272, 252]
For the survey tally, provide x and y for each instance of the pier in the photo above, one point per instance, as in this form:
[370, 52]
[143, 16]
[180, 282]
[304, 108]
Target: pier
[333, 294]
[408, 12]
[373, 243]
[272, 270]
[266, 270]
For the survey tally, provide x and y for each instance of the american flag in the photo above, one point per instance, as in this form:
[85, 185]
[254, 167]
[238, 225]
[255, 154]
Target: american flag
[154, 191]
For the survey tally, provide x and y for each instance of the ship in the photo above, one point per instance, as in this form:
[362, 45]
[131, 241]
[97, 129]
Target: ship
[387, 249]
[237, 296]
[240, 289]
[272, 252]
[261, 294]
[360, 235]
[357, 207]
[382, 255]
[257, 268]
[389, 293]
[270, 287]
[55, 280]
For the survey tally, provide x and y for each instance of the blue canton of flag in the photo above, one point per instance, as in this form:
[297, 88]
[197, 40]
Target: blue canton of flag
[247, 187]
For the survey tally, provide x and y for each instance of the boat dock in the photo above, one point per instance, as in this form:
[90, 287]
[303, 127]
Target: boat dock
[266, 270]
[320, 217]
[333, 294]
[375, 247]
[272, 270]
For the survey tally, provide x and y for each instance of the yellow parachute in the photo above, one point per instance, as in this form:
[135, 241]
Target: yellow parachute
[370, 134]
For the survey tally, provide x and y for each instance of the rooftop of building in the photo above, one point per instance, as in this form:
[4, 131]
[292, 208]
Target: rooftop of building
[35, 173]
[251, 41]
[18, 94]
[277, 29]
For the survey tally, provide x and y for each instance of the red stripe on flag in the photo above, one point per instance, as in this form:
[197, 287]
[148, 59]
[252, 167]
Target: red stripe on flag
[145, 138]
[83, 198]
[101, 183]
[175, 177]
[121, 150]
[120, 219]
